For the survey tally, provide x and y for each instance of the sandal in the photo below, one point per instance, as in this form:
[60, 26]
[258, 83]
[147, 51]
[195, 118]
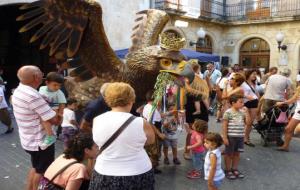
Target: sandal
[9, 130]
[238, 174]
[282, 149]
[248, 143]
[230, 175]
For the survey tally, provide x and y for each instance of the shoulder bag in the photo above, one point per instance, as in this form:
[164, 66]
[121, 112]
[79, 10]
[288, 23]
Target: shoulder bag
[46, 184]
[116, 134]
[254, 91]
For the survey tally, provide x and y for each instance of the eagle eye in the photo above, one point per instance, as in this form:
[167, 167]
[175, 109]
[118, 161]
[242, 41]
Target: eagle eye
[166, 62]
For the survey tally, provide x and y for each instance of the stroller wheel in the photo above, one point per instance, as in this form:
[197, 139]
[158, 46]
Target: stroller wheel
[264, 142]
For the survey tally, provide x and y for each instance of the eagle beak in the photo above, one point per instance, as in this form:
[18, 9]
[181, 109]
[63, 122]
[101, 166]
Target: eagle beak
[183, 70]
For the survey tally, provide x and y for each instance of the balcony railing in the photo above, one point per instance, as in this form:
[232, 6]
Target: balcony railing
[171, 5]
[242, 11]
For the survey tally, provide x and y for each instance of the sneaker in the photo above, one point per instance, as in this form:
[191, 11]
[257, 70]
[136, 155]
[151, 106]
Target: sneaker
[190, 172]
[194, 175]
[157, 171]
[187, 156]
[218, 120]
[166, 161]
[9, 130]
[48, 141]
[248, 143]
[176, 161]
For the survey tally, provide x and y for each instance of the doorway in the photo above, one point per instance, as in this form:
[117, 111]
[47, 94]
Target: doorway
[15, 49]
[255, 54]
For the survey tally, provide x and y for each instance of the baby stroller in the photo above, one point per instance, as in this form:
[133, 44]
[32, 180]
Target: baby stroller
[269, 128]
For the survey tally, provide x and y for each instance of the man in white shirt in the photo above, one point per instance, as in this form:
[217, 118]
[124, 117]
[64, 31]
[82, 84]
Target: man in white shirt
[212, 74]
[277, 89]
[29, 108]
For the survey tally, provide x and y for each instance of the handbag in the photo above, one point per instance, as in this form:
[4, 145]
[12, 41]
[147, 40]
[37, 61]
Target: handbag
[46, 184]
[282, 118]
[116, 134]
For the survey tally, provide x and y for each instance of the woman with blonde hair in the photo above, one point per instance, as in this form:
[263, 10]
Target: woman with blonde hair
[295, 120]
[124, 164]
[235, 83]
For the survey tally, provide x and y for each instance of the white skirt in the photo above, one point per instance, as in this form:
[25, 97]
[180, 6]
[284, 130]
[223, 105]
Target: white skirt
[296, 114]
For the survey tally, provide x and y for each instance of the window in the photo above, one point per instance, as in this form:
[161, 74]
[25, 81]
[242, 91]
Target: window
[206, 47]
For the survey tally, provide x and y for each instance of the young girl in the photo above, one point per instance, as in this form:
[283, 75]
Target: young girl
[69, 124]
[170, 129]
[212, 164]
[197, 147]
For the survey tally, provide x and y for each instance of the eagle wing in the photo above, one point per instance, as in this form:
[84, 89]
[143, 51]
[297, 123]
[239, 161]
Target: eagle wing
[148, 25]
[62, 22]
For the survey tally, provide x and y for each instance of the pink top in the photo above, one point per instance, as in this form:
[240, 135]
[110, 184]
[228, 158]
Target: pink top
[200, 148]
[74, 172]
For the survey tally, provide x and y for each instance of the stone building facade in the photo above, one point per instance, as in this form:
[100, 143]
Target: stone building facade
[118, 18]
[229, 26]
[238, 23]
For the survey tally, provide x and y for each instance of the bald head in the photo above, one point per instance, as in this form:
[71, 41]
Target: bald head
[30, 75]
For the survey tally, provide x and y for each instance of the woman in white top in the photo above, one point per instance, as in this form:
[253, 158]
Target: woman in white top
[124, 164]
[220, 86]
[251, 101]
[289, 130]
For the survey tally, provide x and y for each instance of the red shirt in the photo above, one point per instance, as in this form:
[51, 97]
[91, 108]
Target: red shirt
[195, 135]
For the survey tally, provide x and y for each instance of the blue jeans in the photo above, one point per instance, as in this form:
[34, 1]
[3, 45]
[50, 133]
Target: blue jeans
[218, 183]
[197, 158]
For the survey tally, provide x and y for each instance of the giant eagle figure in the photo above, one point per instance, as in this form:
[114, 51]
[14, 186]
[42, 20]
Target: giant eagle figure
[74, 29]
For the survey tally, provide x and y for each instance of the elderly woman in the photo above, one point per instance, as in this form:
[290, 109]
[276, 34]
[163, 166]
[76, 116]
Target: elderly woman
[124, 164]
[76, 176]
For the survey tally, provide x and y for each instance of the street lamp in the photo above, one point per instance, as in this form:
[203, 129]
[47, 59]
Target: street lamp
[279, 39]
[201, 35]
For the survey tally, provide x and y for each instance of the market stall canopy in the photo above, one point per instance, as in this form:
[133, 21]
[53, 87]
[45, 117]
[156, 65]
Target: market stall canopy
[190, 54]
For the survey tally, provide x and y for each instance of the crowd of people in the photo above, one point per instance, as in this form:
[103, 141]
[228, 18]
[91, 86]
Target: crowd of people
[112, 148]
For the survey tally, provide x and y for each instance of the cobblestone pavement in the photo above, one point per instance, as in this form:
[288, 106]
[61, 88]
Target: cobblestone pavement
[265, 168]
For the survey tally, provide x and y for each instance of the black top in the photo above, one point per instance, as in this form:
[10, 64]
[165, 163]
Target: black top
[95, 108]
[190, 109]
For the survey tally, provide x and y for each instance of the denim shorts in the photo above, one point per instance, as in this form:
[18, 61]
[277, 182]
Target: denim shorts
[170, 143]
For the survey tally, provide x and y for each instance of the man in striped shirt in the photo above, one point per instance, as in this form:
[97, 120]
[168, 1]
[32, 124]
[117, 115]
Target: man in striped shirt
[234, 121]
[29, 109]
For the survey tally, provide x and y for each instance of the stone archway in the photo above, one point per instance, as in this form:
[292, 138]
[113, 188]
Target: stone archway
[255, 53]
